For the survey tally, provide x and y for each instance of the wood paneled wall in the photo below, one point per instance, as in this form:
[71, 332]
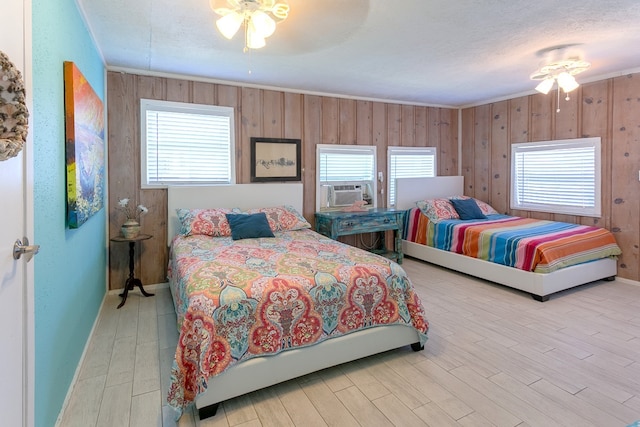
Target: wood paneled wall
[608, 108]
[265, 113]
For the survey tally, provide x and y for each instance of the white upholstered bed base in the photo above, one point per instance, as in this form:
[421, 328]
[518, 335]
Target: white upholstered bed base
[540, 286]
[262, 372]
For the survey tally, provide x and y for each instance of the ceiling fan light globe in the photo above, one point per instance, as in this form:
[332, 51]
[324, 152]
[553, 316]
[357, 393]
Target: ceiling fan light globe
[567, 82]
[545, 86]
[262, 24]
[254, 40]
[229, 24]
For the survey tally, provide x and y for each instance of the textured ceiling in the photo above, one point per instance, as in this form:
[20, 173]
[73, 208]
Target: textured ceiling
[431, 52]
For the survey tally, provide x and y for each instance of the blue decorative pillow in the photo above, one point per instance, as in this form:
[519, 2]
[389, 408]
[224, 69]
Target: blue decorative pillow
[245, 226]
[467, 209]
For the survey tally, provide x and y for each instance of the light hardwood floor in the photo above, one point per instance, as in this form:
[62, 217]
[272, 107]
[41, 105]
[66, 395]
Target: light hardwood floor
[494, 357]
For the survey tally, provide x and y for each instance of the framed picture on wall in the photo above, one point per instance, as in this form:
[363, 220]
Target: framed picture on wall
[275, 159]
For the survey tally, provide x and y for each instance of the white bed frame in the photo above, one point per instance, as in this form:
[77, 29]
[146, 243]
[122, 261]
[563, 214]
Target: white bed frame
[261, 372]
[540, 286]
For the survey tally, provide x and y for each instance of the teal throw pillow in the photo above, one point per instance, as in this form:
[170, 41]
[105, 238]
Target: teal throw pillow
[467, 209]
[249, 226]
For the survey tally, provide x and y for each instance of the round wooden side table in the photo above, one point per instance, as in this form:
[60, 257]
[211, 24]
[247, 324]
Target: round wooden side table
[131, 280]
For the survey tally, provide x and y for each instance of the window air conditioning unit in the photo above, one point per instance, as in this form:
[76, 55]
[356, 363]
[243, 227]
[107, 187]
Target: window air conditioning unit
[345, 195]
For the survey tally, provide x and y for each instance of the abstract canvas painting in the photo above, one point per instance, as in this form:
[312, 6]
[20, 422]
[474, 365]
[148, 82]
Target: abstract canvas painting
[84, 143]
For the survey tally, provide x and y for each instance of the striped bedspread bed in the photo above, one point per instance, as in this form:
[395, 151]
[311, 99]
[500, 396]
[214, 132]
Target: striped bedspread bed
[524, 243]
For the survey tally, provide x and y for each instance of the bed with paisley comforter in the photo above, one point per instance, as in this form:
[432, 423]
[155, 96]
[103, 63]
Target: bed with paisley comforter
[256, 311]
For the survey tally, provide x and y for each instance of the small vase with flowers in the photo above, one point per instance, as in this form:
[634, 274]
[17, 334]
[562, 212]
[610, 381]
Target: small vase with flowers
[131, 227]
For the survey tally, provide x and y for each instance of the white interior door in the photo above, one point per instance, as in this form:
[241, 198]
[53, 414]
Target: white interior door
[15, 317]
[12, 282]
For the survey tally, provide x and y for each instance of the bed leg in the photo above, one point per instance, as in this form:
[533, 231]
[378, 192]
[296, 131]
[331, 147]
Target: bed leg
[208, 411]
[416, 346]
[541, 298]
[609, 279]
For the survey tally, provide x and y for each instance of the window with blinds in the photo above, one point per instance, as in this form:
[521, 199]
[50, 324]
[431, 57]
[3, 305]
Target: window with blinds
[186, 144]
[408, 162]
[344, 164]
[557, 176]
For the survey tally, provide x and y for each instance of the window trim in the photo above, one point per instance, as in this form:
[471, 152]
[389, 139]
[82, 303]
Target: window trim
[594, 142]
[397, 149]
[188, 108]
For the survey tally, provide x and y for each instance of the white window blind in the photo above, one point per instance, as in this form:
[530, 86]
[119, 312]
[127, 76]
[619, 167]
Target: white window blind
[186, 144]
[557, 176]
[408, 162]
[345, 163]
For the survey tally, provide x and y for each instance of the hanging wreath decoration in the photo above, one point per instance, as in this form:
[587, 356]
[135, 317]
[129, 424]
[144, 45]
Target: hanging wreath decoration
[13, 110]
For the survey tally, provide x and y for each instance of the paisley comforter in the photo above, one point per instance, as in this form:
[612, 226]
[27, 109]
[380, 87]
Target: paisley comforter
[236, 300]
[524, 243]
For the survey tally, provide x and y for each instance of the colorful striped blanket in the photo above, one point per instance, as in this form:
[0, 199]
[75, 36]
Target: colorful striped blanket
[236, 300]
[524, 243]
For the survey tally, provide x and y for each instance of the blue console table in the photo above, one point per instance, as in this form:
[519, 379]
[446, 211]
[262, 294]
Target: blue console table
[338, 223]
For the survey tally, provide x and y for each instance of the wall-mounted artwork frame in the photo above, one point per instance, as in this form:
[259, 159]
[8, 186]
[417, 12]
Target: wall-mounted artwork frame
[275, 159]
[84, 147]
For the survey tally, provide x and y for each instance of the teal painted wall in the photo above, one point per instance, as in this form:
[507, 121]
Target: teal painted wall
[70, 269]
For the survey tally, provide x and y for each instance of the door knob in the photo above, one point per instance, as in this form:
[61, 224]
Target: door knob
[28, 250]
